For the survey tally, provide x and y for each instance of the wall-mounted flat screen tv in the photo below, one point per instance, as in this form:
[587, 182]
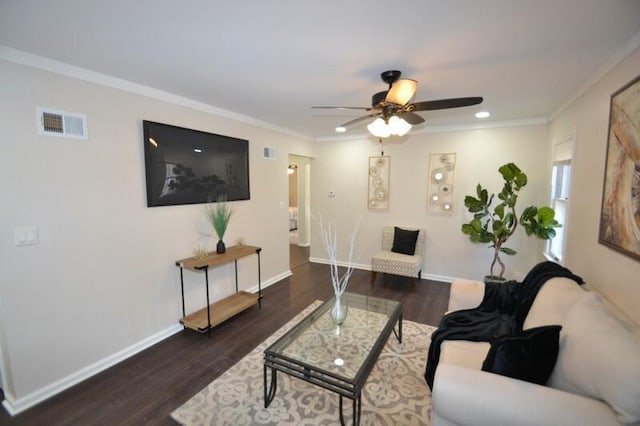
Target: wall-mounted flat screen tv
[185, 166]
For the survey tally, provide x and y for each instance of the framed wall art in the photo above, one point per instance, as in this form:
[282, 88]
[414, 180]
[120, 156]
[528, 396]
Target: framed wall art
[620, 212]
[442, 169]
[379, 183]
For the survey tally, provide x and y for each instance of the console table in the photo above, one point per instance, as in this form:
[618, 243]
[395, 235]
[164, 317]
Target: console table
[215, 313]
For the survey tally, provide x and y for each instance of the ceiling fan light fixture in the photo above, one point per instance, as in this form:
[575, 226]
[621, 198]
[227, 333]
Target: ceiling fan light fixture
[402, 91]
[396, 127]
[379, 128]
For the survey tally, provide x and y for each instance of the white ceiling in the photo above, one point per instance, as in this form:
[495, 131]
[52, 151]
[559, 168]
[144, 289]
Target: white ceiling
[272, 60]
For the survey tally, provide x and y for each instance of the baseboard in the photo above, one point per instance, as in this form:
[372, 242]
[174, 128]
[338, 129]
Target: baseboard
[270, 281]
[18, 405]
[365, 267]
[362, 266]
[441, 278]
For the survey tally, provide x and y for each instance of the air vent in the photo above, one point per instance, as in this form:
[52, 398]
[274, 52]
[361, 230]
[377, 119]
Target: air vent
[269, 153]
[60, 123]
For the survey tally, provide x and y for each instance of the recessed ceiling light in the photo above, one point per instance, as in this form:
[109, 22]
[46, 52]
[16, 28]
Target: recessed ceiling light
[482, 114]
[341, 129]
[198, 150]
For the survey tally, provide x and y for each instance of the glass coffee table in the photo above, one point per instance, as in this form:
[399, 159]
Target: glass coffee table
[337, 358]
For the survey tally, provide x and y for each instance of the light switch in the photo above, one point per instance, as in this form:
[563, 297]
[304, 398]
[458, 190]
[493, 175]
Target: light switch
[25, 235]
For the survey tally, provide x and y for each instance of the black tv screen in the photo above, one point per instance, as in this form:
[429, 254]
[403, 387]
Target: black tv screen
[185, 166]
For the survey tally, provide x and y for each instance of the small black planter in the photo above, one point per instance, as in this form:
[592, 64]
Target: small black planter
[220, 247]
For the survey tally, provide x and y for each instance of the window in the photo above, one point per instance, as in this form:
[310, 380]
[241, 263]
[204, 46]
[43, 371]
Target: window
[560, 183]
[559, 199]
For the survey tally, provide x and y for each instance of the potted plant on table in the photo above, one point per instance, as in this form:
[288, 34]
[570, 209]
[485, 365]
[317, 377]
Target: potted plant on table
[496, 224]
[219, 214]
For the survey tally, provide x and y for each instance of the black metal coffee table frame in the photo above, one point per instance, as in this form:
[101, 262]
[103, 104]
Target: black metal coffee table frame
[345, 387]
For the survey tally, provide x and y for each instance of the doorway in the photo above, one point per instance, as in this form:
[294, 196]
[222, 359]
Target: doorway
[299, 173]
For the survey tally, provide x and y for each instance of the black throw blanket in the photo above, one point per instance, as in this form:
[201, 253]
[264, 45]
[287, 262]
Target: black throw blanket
[502, 311]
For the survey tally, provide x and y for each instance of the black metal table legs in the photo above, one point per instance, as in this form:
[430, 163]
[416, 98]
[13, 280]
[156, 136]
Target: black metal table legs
[357, 408]
[268, 395]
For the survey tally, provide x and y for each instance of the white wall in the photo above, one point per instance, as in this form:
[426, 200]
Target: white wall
[615, 275]
[103, 277]
[342, 167]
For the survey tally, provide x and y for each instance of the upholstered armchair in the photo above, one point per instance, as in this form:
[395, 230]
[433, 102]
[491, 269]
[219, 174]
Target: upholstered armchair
[402, 253]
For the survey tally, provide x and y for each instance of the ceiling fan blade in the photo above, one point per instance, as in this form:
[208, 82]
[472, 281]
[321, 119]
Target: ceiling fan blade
[402, 91]
[341, 107]
[359, 119]
[446, 103]
[412, 118]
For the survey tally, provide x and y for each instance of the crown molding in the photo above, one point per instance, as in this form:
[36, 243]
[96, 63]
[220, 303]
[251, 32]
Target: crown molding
[20, 57]
[629, 47]
[535, 121]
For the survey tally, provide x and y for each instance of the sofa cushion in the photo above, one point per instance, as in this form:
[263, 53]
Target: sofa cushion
[598, 358]
[529, 355]
[552, 302]
[464, 353]
[404, 241]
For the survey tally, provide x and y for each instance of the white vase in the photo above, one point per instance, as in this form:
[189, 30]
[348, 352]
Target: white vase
[339, 310]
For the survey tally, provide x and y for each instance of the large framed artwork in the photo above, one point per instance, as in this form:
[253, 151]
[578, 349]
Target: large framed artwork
[620, 213]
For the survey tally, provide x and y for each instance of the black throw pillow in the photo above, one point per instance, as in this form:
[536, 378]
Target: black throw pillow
[404, 241]
[529, 355]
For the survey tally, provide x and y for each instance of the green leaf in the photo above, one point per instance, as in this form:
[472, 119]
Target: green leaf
[507, 250]
[509, 221]
[473, 204]
[472, 228]
[546, 215]
[468, 229]
[520, 180]
[482, 194]
[508, 171]
[500, 233]
[528, 213]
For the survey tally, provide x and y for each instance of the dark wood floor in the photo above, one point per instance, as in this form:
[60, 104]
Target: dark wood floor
[147, 387]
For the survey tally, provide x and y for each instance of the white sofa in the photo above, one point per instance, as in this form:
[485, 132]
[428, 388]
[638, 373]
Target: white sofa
[595, 381]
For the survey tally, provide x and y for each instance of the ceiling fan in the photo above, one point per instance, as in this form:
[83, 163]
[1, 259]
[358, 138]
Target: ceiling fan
[393, 108]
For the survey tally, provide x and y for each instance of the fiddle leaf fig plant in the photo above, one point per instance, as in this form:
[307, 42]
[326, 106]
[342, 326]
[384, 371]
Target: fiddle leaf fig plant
[494, 225]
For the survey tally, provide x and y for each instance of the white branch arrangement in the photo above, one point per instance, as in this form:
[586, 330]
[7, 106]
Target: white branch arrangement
[330, 242]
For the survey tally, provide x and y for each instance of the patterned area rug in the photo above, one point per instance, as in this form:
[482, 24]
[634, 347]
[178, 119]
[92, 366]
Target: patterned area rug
[395, 393]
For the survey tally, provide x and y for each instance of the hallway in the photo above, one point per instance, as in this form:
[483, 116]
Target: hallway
[297, 256]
